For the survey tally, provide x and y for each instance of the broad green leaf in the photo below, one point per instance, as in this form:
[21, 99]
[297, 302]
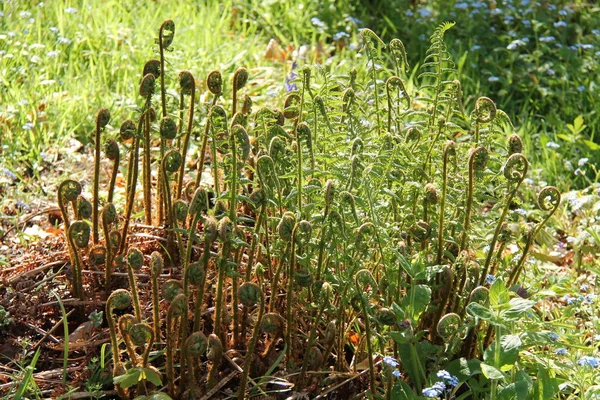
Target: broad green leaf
[491, 372]
[416, 300]
[401, 391]
[479, 311]
[546, 386]
[592, 145]
[128, 379]
[152, 377]
[463, 369]
[498, 294]
[509, 352]
[523, 385]
[518, 306]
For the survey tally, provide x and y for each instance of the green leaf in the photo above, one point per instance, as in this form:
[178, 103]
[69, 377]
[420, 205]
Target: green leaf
[523, 385]
[518, 307]
[401, 391]
[498, 293]
[464, 369]
[416, 300]
[509, 352]
[491, 372]
[546, 386]
[591, 145]
[479, 311]
[128, 379]
[152, 377]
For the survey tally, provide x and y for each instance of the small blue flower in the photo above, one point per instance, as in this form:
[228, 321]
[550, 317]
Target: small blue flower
[585, 46]
[550, 71]
[560, 24]
[561, 351]
[28, 126]
[493, 79]
[452, 382]
[316, 22]
[579, 171]
[591, 361]
[354, 20]
[563, 12]
[9, 174]
[390, 361]
[490, 279]
[396, 373]
[475, 47]
[461, 6]
[434, 391]
[582, 161]
[340, 36]
[443, 374]
[581, 88]
[553, 336]
[589, 298]
[547, 39]
[584, 288]
[71, 10]
[552, 145]
[424, 12]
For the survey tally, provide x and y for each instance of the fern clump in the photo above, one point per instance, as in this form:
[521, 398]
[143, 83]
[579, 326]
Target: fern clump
[370, 209]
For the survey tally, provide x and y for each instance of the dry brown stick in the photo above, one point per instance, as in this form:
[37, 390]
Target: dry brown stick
[42, 332]
[35, 270]
[80, 345]
[74, 302]
[331, 389]
[51, 331]
[219, 385]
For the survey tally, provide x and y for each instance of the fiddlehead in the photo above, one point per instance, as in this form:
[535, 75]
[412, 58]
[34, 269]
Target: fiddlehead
[188, 86]
[214, 353]
[135, 261]
[102, 120]
[109, 217]
[68, 191]
[250, 294]
[111, 150]
[392, 83]
[225, 231]
[166, 34]
[240, 78]
[79, 236]
[449, 151]
[83, 208]
[478, 158]
[195, 345]
[176, 310]
[485, 112]
[548, 200]
[120, 299]
[514, 171]
[362, 279]
[157, 265]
